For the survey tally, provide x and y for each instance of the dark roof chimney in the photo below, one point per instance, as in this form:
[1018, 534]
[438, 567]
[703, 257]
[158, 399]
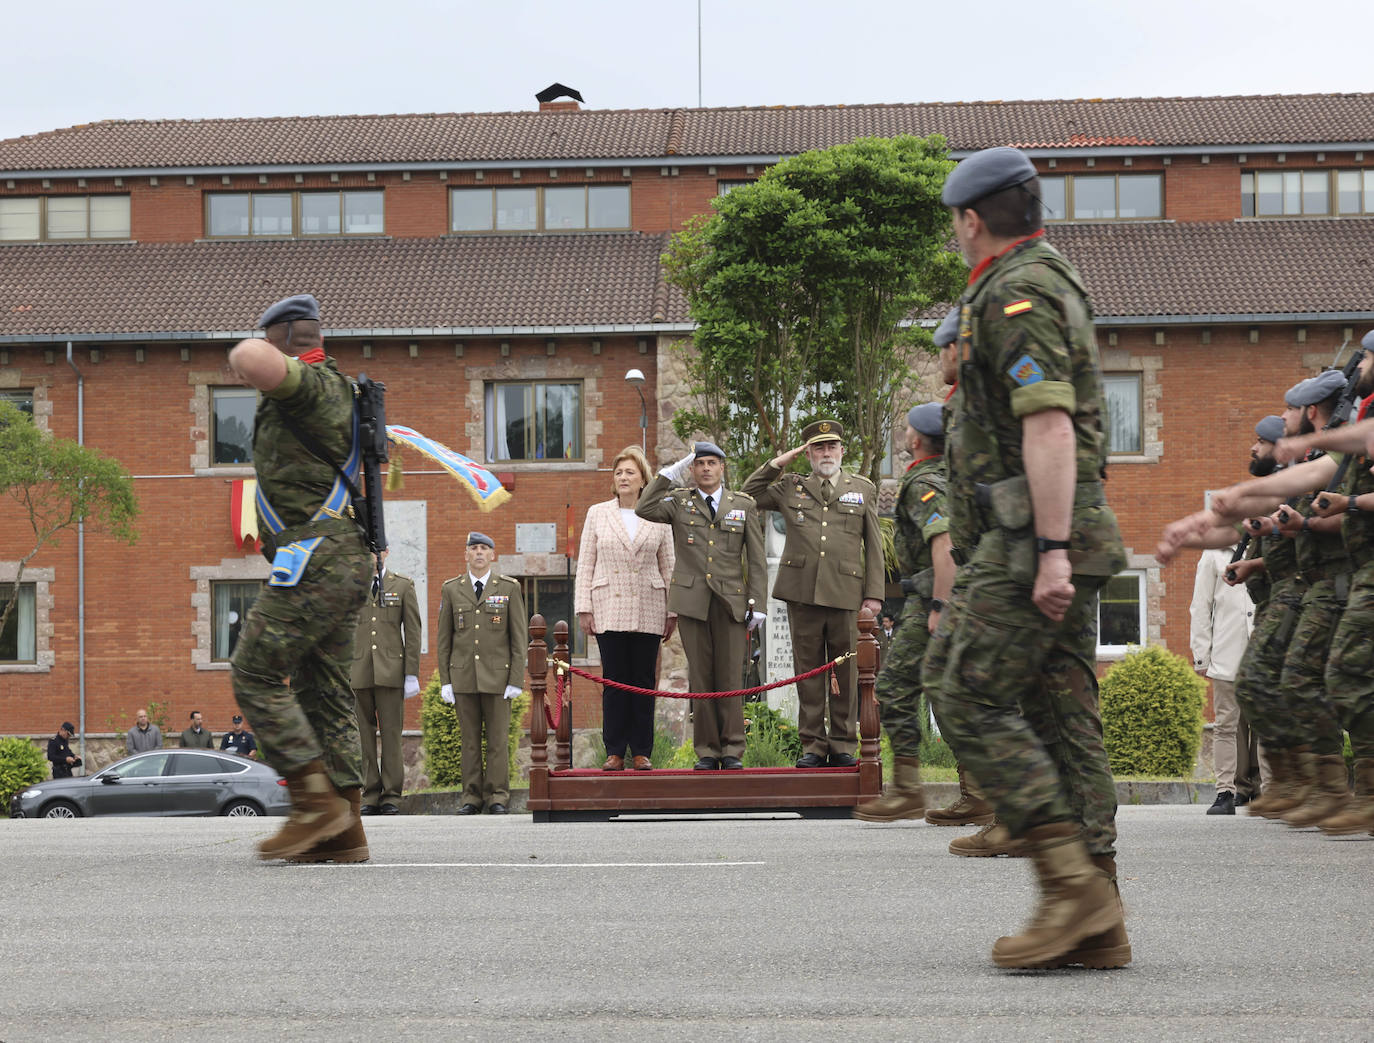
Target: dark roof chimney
[548, 99]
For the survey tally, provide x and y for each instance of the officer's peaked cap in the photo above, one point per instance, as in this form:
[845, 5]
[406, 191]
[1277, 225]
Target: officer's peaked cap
[984, 173]
[289, 309]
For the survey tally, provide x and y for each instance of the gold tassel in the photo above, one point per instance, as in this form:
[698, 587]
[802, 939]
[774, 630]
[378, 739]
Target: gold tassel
[394, 478]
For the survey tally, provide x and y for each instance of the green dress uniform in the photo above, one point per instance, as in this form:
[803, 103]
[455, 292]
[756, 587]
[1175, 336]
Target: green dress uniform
[386, 649]
[832, 560]
[304, 631]
[482, 649]
[920, 517]
[719, 569]
[1014, 691]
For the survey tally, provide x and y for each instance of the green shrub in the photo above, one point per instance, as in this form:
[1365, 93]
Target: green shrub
[21, 765]
[1152, 714]
[443, 741]
[770, 739]
[682, 758]
[661, 756]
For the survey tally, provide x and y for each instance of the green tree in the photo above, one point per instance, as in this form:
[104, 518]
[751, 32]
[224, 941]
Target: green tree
[803, 286]
[57, 484]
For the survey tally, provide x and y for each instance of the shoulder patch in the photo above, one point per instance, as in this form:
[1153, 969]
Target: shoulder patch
[1026, 371]
[1017, 307]
[928, 496]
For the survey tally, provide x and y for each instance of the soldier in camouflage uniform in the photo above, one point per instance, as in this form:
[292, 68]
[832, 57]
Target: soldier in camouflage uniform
[1014, 682]
[301, 625]
[922, 540]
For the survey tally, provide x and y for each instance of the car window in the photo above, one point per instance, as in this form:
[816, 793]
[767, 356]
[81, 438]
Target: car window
[196, 764]
[232, 765]
[142, 767]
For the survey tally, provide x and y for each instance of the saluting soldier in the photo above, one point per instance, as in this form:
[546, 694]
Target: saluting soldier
[386, 669]
[483, 634]
[832, 564]
[719, 570]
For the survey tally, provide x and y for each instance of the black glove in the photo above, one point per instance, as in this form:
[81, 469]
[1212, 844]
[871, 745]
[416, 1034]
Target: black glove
[76, 763]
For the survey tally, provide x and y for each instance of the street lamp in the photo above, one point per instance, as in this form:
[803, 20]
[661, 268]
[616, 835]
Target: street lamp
[636, 379]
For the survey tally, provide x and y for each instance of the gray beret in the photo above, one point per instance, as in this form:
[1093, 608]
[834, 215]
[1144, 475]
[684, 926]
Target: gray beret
[708, 449]
[289, 309]
[1315, 389]
[984, 173]
[927, 419]
[1367, 342]
[948, 330]
[1270, 429]
[480, 539]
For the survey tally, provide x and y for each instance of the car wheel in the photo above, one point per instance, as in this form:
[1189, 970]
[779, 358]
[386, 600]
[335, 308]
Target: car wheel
[61, 809]
[241, 809]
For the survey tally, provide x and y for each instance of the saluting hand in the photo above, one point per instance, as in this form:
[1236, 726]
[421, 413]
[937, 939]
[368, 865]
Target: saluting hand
[786, 458]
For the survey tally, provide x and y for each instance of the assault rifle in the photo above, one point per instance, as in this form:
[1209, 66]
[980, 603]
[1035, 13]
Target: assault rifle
[1239, 553]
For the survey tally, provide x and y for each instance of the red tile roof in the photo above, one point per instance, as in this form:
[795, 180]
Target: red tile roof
[147, 288]
[1245, 270]
[637, 134]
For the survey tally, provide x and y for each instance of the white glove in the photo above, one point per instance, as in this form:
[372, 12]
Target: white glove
[758, 619]
[446, 694]
[681, 471]
[512, 690]
[412, 686]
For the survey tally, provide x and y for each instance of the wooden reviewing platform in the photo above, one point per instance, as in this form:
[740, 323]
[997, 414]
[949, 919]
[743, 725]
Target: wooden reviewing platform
[561, 793]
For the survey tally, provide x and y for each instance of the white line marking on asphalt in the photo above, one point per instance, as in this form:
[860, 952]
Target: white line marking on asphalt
[523, 865]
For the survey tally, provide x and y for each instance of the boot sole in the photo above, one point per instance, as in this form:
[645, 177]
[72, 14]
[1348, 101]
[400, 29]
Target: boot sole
[868, 816]
[1100, 924]
[1347, 831]
[989, 854]
[355, 854]
[327, 829]
[976, 820]
[1107, 959]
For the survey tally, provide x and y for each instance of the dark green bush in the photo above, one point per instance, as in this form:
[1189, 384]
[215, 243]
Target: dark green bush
[1152, 714]
[21, 765]
[443, 742]
[770, 739]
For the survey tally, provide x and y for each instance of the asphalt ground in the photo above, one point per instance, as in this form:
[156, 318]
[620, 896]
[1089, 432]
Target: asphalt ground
[757, 929]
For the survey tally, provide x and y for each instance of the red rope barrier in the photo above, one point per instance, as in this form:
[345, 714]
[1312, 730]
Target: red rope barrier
[561, 666]
[554, 718]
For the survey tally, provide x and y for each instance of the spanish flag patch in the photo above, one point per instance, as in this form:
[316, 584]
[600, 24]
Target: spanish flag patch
[1017, 307]
[927, 497]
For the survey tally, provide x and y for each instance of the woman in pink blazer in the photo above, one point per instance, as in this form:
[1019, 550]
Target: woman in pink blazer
[621, 596]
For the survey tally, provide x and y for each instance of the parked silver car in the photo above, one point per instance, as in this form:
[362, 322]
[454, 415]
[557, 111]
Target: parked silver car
[161, 782]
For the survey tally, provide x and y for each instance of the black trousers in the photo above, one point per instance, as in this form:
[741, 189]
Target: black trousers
[627, 718]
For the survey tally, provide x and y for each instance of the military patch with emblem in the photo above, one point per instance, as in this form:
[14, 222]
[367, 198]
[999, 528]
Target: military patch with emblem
[1017, 307]
[1026, 371]
[928, 496]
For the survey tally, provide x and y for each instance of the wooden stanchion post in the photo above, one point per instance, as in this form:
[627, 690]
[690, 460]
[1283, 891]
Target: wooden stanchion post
[562, 758]
[870, 762]
[537, 666]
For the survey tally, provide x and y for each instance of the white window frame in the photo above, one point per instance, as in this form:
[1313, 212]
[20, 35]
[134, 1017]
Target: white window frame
[1142, 578]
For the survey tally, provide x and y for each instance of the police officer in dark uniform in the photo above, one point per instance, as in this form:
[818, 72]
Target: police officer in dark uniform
[60, 752]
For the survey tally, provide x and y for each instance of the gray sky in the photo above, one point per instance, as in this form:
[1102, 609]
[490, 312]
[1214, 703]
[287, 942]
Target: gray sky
[86, 60]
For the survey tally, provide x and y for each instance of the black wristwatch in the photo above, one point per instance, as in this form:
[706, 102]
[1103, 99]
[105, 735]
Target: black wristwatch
[1353, 507]
[937, 604]
[1043, 546]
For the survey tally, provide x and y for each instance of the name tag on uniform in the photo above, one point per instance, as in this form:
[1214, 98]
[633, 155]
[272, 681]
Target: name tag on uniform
[852, 497]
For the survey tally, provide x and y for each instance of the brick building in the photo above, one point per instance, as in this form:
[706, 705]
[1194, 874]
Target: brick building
[500, 272]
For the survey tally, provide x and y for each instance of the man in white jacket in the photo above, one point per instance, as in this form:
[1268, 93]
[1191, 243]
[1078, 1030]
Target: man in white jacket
[1222, 618]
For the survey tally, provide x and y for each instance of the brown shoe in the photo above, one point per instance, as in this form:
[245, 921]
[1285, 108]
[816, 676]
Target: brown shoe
[969, 810]
[1326, 797]
[1111, 948]
[1358, 814]
[348, 846]
[317, 813]
[1076, 901]
[992, 840]
[642, 763]
[614, 763]
[1280, 795]
[904, 797]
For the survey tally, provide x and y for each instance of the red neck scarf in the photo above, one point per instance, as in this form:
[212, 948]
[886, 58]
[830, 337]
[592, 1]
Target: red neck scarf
[986, 262]
[313, 355]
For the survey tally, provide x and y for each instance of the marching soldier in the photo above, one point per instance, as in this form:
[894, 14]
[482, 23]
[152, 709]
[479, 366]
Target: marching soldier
[718, 573]
[386, 668]
[483, 634]
[832, 565]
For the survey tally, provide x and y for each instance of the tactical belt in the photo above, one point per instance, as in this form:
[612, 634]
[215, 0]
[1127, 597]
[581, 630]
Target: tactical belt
[318, 527]
[1085, 494]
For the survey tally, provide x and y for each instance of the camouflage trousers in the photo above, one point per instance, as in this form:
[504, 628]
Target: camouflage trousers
[1015, 694]
[1257, 679]
[899, 683]
[305, 633]
[1350, 670]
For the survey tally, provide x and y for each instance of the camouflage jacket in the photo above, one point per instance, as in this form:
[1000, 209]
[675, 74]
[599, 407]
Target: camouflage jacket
[1026, 345]
[1357, 530]
[921, 514]
[294, 480]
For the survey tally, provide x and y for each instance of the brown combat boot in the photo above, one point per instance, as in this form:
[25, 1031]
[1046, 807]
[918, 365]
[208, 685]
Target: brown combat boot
[1326, 797]
[1076, 901]
[317, 813]
[1279, 760]
[969, 810]
[1300, 772]
[1109, 949]
[348, 846]
[904, 798]
[992, 840]
[1358, 814]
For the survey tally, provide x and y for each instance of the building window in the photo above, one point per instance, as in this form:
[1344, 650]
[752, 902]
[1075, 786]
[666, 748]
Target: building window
[64, 217]
[1103, 197]
[552, 208]
[534, 421]
[1121, 393]
[231, 419]
[287, 214]
[1121, 613]
[229, 605]
[20, 398]
[19, 638]
[1306, 193]
[724, 188]
[553, 599]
